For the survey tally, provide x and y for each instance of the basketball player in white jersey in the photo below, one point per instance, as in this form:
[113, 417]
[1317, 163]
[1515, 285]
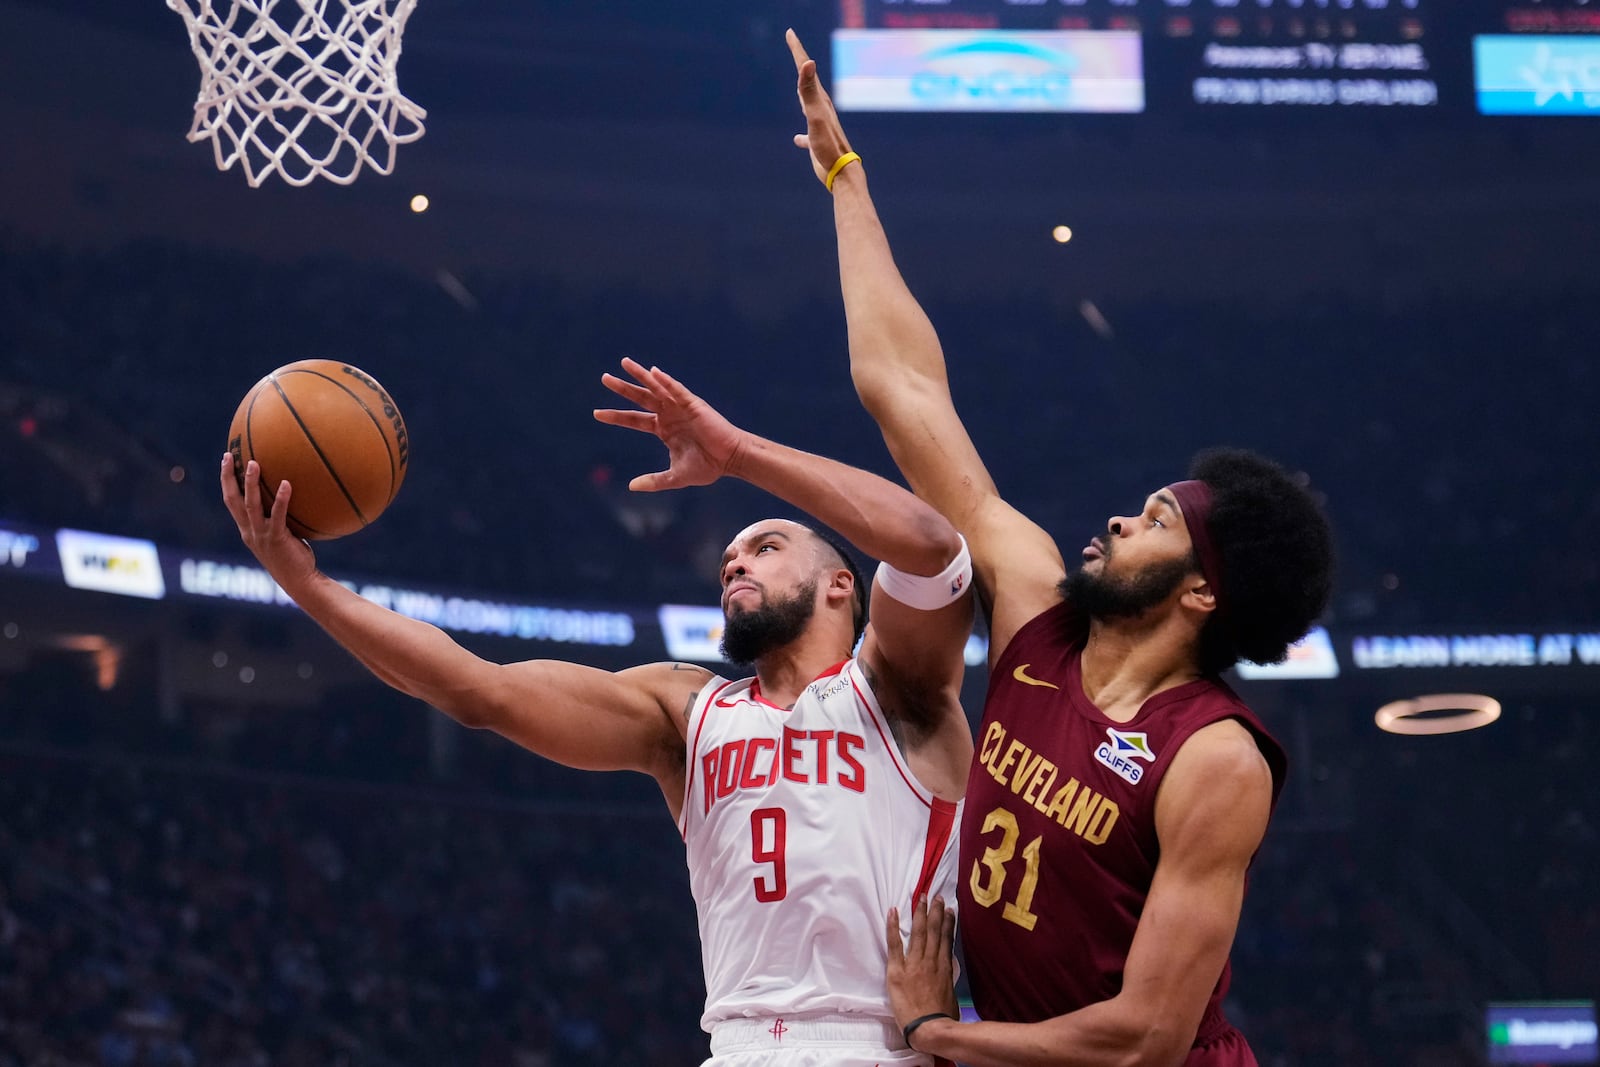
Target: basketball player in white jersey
[813, 796]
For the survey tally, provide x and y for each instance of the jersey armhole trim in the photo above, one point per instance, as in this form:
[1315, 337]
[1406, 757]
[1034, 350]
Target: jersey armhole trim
[941, 823]
[870, 701]
[707, 695]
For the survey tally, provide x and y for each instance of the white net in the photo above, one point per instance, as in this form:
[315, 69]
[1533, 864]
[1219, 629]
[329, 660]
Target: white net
[300, 88]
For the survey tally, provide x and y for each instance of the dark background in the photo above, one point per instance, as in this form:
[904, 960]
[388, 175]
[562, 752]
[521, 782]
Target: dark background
[308, 869]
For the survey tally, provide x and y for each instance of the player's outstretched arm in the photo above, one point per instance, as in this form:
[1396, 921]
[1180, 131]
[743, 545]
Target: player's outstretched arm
[879, 517]
[1211, 814]
[898, 368]
[912, 651]
[580, 716]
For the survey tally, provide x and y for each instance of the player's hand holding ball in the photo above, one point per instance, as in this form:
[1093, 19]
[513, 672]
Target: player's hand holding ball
[265, 532]
[317, 450]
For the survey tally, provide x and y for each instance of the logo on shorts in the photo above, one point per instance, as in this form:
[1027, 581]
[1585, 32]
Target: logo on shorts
[778, 1030]
[1122, 750]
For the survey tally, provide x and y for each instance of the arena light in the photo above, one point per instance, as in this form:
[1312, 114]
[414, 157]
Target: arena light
[1418, 715]
[419, 204]
[1062, 234]
[106, 654]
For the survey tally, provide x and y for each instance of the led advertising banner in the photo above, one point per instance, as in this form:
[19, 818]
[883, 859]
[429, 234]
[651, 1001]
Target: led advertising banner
[691, 633]
[25, 550]
[242, 583]
[105, 563]
[987, 70]
[1542, 648]
[1537, 75]
[132, 567]
[1125, 56]
[1310, 657]
[1542, 1032]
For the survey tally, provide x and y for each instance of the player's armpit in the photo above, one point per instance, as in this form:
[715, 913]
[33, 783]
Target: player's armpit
[913, 660]
[914, 657]
[1018, 568]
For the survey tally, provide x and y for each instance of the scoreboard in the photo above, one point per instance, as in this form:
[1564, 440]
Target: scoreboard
[1131, 56]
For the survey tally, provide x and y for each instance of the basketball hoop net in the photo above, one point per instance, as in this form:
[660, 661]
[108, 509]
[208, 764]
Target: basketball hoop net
[301, 88]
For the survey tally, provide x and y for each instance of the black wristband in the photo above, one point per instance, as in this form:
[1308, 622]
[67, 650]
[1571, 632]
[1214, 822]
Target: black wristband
[910, 1028]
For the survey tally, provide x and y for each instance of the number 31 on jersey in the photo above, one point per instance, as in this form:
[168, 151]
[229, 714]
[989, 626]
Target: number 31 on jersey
[987, 890]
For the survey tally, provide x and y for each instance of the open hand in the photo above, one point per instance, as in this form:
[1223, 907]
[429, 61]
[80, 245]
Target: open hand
[701, 444]
[286, 557]
[922, 970]
[824, 137]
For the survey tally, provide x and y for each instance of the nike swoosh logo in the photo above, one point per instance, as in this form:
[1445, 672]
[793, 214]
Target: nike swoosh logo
[727, 703]
[1021, 675]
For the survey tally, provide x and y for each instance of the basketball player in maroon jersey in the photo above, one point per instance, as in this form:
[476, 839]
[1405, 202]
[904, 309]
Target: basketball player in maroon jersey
[1119, 789]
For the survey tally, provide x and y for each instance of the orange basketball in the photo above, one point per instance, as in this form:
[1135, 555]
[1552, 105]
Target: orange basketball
[333, 433]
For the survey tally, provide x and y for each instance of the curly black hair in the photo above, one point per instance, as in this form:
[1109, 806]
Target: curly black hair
[1277, 558]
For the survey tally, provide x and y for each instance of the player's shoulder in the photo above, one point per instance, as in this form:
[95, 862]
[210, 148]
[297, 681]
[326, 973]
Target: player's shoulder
[1224, 755]
[675, 685]
[674, 673]
[1215, 800]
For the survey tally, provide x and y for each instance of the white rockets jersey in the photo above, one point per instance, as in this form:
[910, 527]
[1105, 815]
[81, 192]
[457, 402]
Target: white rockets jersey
[803, 828]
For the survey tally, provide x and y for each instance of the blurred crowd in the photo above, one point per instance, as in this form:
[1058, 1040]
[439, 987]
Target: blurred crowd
[1447, 436]
[160, 919]
[292, 904]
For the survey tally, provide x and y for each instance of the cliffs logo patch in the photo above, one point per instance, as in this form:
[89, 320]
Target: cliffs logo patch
[1122, 752]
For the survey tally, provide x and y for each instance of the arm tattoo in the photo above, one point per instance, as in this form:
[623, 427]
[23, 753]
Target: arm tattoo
[888, 701]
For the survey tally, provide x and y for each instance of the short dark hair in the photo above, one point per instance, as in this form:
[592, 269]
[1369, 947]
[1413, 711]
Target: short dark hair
[859, 614]
[1277, 558]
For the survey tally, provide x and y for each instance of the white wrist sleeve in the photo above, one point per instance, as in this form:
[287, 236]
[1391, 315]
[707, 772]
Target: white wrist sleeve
[929, 594]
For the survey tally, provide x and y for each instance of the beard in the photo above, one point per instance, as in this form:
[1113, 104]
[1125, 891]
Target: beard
[1100, 596]
[749, 635]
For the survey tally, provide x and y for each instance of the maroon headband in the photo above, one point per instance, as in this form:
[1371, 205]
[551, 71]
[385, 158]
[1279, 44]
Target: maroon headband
[1194, 500]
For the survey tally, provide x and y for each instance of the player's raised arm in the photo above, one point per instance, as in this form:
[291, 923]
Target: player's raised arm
[874, 514]
[576, 715]
[921, 610]
[898, 368]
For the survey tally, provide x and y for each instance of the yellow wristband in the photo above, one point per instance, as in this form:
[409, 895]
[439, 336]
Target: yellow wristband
[843, 162]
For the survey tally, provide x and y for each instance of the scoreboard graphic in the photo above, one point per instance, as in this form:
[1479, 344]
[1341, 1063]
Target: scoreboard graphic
[1535, 57]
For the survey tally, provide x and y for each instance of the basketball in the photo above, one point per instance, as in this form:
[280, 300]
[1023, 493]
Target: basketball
[333, 433]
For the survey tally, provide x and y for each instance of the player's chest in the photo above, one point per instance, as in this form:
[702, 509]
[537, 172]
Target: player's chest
[1057, 776]
[760, 755]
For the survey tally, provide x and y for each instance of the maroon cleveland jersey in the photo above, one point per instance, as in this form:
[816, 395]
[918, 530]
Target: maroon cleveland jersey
[1058, 839]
